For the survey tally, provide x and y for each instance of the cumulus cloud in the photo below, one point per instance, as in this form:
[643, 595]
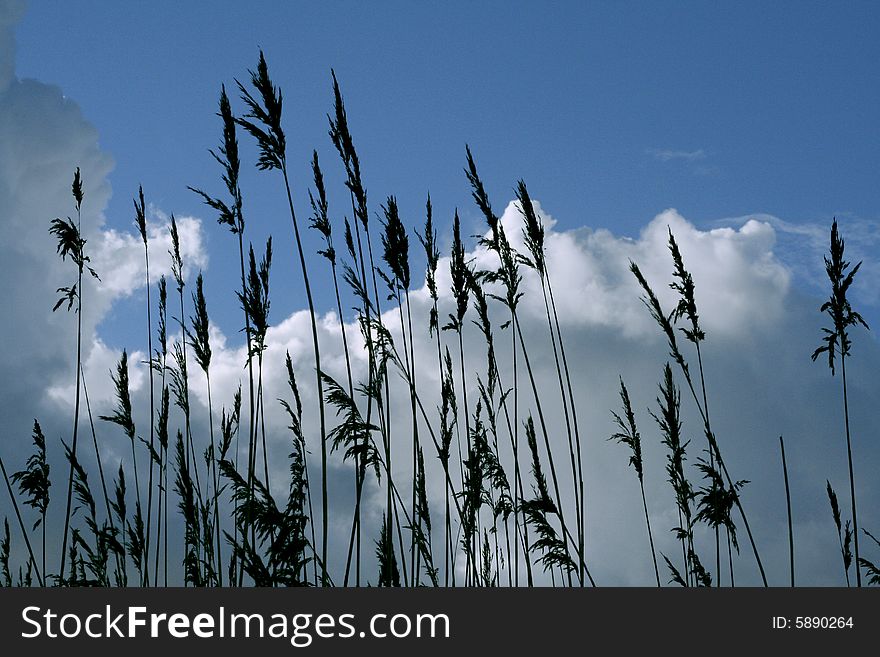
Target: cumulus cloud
[122, 254]
[44, 139]
[803, 244]
[760, 380]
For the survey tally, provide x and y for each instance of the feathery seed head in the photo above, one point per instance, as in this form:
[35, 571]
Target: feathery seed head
[140, 214]
[533, 230]
[77, 189]
[395, 244]
[263, 119]
[838, 307]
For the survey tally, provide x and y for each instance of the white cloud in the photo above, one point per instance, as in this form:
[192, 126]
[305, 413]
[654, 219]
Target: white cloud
[121, 255]
[668, 155]
[739, 282]
[760, 380]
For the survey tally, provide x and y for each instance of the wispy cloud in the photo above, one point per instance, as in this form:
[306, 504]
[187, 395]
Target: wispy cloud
[668, 155]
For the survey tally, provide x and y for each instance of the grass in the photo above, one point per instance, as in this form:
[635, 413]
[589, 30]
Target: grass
[837, 343]
[629, 436]
[513, 505]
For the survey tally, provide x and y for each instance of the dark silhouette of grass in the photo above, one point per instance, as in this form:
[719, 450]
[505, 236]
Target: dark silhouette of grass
[665, 322]
[788, 511]
[837, 341]
[271, 534]
[263, 122]
[71, 243]
[629, 436]
[141, 222]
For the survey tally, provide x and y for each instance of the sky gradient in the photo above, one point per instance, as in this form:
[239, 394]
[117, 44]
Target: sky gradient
[612, 112]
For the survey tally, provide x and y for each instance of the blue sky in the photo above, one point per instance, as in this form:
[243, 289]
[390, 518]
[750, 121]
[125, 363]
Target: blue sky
[611, 111]
[757, 122]
[781, 98]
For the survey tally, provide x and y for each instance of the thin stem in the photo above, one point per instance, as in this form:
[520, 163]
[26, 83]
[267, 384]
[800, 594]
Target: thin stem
[415, 428]
[568, 428]
[574, 420]
[650, 534]
[711, 460]
[152, 414]
[216, 495]
[788, 509]
[76, 402]
[543, 423]
[250, 366]
[320, 387]
[21, 523]
[713, 443]
[100, 466]
[852, 485]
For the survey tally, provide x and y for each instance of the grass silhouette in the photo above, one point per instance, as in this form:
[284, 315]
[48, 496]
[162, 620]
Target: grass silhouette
[506, 511]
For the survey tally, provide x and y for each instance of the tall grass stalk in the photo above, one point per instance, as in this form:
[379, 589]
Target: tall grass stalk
[836, 341]
[199, 340]
[510, 301]
[448, 421]
[141, 222]
[521, 533]
[458, 269]
[498, 479]
[180, 354]
[256, 303]
[395, 245]
[788, 511]
[122, 416]
[386, 351]
[447, 391]
[669, 421]
[71, 242]
[187, 505]
[844, 532]
[162, 531]
[664, 321]
[629, 436]
[320, 221]
[533, 232]
[356, 276]
[295, 415]
[371, 318]
[159, 362]
[509, 277]
[266, 111]
[230, 214]
[99, 462]
[27, 541]
[34, 483]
